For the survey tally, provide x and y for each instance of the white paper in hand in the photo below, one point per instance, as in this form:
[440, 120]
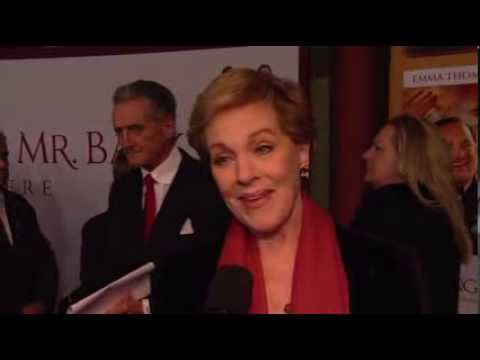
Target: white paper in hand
[135, 283]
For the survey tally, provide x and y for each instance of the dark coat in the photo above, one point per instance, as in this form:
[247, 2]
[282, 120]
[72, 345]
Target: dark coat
[28, 269]
[394, 214]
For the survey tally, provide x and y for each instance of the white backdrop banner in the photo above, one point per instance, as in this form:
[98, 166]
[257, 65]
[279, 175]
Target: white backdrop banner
[56, 114]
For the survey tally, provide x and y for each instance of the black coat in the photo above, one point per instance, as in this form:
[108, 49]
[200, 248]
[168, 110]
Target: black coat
[185, 263]
[394, 214]
[28, 270]
[383, 276]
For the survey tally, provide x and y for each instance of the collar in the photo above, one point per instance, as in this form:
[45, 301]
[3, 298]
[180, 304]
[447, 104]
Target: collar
[166, 171]
[471, 189]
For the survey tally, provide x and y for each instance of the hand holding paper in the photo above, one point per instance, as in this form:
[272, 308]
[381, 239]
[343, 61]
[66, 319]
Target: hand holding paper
[126, 305]
[123, 296]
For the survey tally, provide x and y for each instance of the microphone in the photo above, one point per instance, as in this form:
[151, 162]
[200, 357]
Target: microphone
[230, 291]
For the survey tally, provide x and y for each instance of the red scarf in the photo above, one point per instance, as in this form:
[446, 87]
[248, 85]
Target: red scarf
[320, 283]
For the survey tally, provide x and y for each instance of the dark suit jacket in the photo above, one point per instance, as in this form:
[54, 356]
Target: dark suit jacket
[184, 264]
[92, 250]
[394, 214]
[28, 270]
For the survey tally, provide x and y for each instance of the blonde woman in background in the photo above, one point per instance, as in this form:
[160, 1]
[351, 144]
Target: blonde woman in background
[414, 201]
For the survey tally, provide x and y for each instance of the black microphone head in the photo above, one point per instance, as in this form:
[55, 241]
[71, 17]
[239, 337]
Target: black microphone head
[230, 291]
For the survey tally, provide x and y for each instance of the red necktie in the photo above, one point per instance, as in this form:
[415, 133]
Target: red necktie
[150, 206]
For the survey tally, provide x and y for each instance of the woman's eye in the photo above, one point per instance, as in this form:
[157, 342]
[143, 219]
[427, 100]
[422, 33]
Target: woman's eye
[264, 149]
[220, 160]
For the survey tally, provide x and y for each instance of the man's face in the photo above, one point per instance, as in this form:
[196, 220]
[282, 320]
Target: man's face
[145, 140]
[3, 162]
[463, 151]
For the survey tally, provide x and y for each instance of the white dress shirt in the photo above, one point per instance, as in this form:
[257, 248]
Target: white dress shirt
[163, 174]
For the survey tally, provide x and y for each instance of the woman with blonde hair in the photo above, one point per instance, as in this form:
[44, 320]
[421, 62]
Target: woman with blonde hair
[414, 201]
[254, 130]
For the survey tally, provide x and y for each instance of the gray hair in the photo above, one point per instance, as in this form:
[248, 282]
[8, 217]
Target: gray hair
[161, 97]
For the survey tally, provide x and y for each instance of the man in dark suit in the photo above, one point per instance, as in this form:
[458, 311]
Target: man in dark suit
[167, 210]
[28, 270]
[462, 142]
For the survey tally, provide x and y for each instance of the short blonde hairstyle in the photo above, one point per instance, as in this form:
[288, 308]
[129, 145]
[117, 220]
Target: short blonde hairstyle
[238, 87]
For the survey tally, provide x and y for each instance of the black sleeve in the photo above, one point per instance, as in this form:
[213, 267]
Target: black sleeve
[440, 265]
[45, 282]
[92, 254]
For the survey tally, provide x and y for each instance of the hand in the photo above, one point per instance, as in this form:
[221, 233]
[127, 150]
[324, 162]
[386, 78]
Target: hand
[33, 309]
[420, 103]
[126, 305]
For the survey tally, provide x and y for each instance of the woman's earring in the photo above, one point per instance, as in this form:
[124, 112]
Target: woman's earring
[304, 173]
[265, 68]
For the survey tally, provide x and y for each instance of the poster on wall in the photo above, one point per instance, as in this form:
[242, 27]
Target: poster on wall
[442, 92]
[452, 92]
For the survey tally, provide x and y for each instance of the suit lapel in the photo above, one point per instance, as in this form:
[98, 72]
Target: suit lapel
[174, 211]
